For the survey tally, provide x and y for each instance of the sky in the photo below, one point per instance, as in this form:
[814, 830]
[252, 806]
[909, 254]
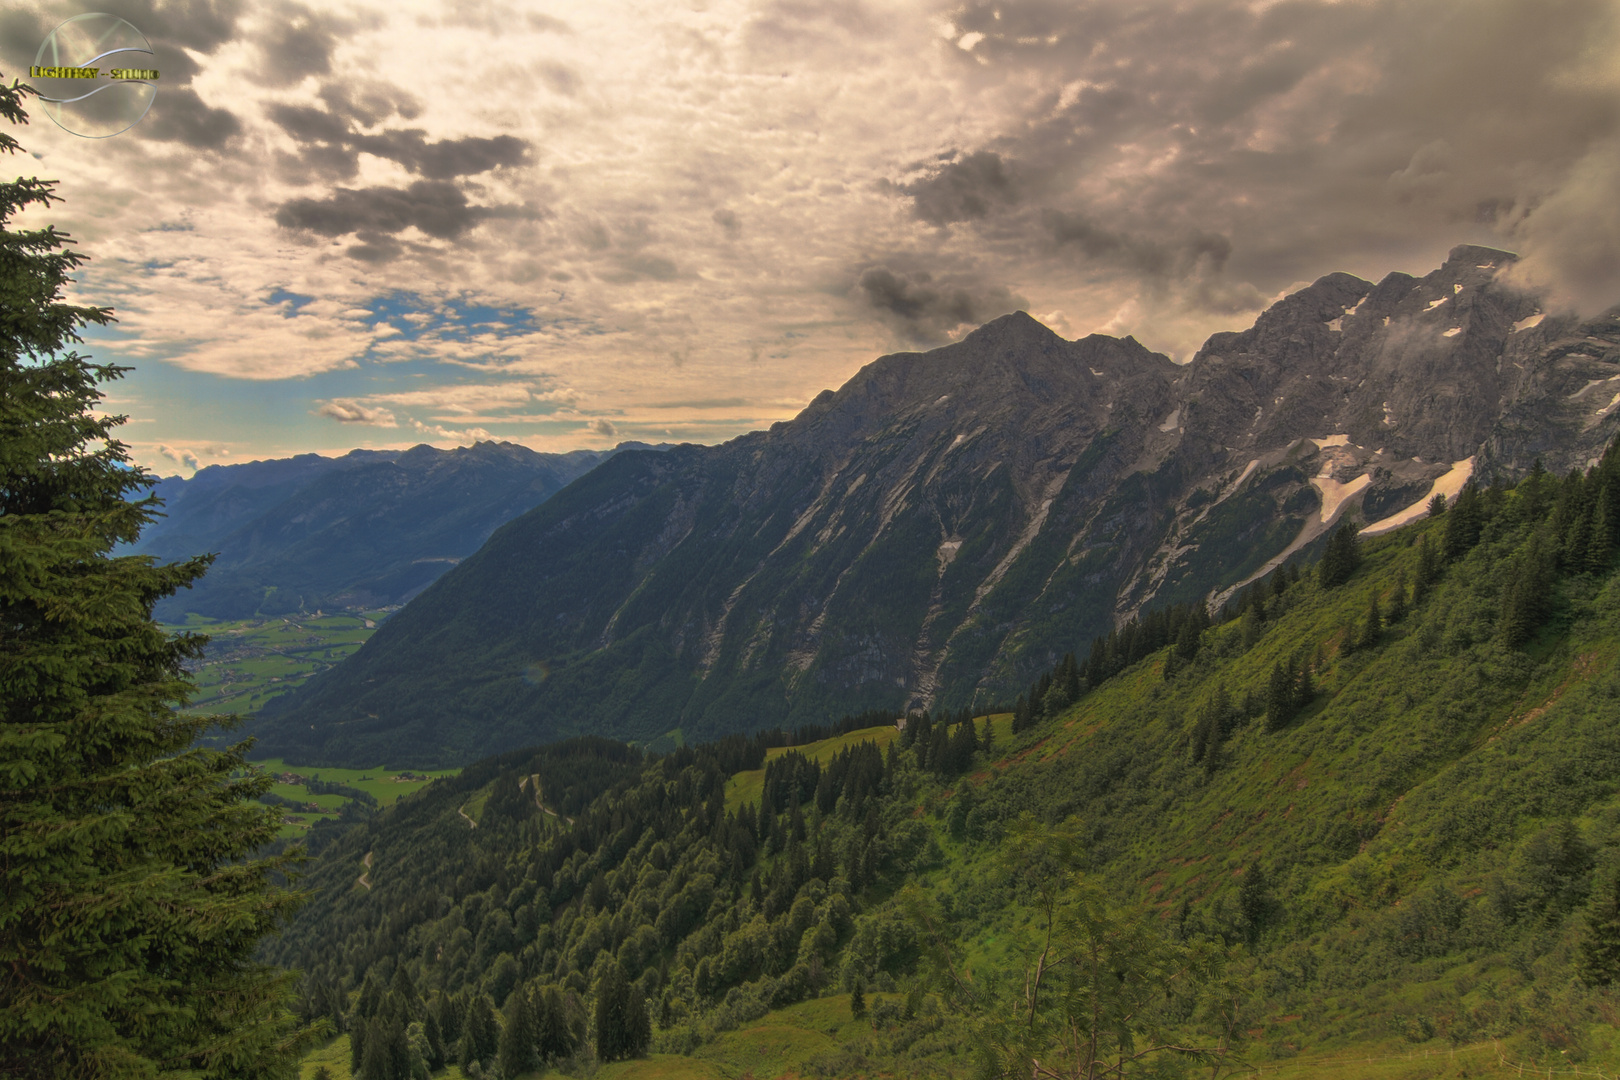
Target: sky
[569, 224]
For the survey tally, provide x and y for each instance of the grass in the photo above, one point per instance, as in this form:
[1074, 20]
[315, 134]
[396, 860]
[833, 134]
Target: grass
[785, 1042]
[381, 783]
[664, 1067]
[249, 662]
[745, 787]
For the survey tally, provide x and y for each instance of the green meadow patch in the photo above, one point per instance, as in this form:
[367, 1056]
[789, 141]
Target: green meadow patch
[252, 661]
[745, 787]
[383, 784]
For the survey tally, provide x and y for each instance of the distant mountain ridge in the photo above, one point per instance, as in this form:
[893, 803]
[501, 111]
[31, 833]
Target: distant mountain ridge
[946, 524]
[369, 529]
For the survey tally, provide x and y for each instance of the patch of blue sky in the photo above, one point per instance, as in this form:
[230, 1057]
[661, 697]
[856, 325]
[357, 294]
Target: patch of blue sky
[168, 403]
[463, 318]
[293, 300]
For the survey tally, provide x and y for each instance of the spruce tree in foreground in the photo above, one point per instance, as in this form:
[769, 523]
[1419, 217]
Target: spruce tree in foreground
[130, 906]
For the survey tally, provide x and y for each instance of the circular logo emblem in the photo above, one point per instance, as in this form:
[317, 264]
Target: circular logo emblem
[94, 75]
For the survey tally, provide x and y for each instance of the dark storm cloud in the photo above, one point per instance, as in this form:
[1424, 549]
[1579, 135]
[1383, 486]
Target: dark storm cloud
[331, 147]
[1200, 253]
[199, 25]
[298, 44]
[369, 103]
[438, 209]
[1364, 132]
[308, 124]
[20, 34]
[447, 158]
[925, 312]
[963, 190]
[373, 215]
[179, 115]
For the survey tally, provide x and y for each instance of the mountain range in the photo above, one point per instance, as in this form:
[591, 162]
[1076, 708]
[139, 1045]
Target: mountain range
[366, 530]
[947, 524]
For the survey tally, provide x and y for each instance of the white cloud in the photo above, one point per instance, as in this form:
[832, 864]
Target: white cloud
[345, 411]
[702, 187]
[184, 458]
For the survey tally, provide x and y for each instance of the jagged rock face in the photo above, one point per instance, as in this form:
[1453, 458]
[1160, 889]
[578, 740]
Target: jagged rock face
[948, 523]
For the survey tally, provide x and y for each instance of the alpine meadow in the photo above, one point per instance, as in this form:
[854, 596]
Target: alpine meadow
[753, 540]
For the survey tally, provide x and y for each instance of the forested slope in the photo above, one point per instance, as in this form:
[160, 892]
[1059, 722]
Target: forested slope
[1383, 795]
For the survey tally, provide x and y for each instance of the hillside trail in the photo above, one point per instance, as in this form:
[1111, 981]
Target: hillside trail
[366, 862]
[534, 778]
[462, 810]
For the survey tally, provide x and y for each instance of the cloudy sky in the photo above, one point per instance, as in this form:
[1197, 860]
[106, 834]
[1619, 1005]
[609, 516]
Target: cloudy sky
[570, 224]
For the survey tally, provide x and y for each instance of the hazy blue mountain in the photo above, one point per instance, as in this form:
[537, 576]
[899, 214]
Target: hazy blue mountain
[947, 524]
[366, 530]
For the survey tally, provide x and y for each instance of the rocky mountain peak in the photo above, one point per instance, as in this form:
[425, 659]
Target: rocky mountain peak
[946, 523]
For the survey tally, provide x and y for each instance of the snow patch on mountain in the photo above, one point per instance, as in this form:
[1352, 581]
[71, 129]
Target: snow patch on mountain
[1448, 485]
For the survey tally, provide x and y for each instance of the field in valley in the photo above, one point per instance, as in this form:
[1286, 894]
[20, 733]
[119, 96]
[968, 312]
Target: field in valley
[251, 661]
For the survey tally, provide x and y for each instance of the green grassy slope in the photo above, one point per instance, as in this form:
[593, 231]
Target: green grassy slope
[745, 787]
[1401, 873]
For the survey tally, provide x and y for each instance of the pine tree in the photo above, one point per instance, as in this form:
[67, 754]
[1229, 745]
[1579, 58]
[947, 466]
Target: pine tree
[1463, 523]
[132, 904]
[1252, 628]
[1189, 638]
[1532, 492]
[987, 741]
[1253, 899]
[963, 744]
[1600, 545]
[405, 990]
[1211, 729]
[1341, 558]
[520, 1037]
[1070, 675]
[1437, 505]
[1280, 697]
[358, 1030]
[451, 1013]
[434, 1038]
[1428, 569]
[388, 1052]
[480, 1033]
[939, 749]
[555, 1040]
[1373, 628]
[1599, 960]
[1397, 599]
[1578, 541]
[1526, 601]
[611, 1006]
[1304, 688]
[857, 998]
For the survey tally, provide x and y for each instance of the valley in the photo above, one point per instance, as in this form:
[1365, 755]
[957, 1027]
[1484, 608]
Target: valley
[251, 661]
